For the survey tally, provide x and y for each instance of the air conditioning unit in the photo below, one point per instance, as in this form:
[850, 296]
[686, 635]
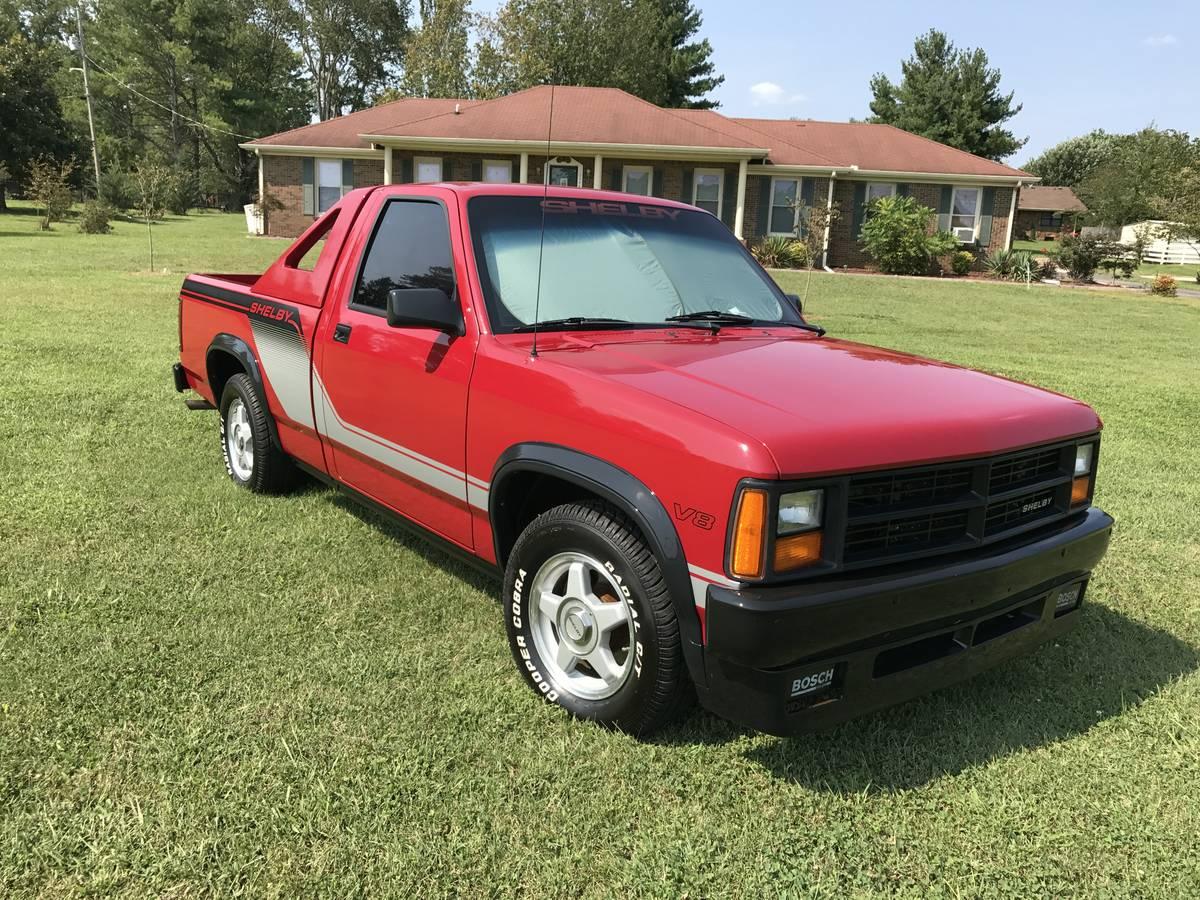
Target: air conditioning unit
[965, 235]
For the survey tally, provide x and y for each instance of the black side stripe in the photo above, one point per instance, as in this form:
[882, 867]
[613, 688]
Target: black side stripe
[269, 311]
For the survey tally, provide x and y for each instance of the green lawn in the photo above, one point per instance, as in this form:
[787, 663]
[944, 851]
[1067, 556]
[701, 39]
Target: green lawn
[1185, 274]
[209, 693]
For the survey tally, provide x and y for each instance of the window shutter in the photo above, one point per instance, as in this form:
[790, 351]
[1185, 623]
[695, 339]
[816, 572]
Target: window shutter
[902, 190]
[614, 179]
[764, 205]
[308, 188]
[944, 207]
[729, 201]
[347, 176]
[860, 200]
[656, 188]
[406, 170]
[986, 202]
[477, 170]
[806, 200]
[687, 185]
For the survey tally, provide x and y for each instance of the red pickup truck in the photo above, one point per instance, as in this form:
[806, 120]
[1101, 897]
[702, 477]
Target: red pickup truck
[689, 489]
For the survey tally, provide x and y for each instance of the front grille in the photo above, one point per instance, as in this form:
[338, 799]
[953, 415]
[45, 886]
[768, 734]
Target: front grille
[909, 534]
[936, 509]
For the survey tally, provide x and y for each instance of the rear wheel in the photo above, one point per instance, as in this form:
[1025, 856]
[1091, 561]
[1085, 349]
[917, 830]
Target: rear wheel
[590, 622]
[251, 458]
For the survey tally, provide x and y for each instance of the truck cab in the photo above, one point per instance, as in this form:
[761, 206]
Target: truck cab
[685, 489]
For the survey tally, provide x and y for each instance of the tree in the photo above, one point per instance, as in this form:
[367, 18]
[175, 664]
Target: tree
[351, 49]
[1181, 206]
[948, 95]
[690, 72]
[50, 188]
[437, 59]
[33, 124]
[1139, 176]
[1072, 161]
[640, 46]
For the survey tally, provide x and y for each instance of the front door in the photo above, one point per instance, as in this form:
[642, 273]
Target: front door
[392, 402]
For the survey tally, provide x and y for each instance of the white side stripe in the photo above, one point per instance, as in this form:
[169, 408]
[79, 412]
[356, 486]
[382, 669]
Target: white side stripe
[415, 465]
[701, 579]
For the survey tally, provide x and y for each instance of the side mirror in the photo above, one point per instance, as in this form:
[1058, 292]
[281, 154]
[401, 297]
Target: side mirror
[795, 298]
[424, 308]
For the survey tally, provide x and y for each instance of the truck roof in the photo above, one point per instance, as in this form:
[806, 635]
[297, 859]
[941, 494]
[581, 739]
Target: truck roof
[476, 189]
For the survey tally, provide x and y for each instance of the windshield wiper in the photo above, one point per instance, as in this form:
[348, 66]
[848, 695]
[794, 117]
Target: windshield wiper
[574, 322]
[716, 316]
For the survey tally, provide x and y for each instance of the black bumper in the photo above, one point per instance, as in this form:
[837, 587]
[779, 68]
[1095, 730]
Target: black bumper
[806, 656]
[180, 377]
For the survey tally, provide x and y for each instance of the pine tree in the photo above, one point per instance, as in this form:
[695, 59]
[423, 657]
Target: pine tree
[948, 95]
[690, 72]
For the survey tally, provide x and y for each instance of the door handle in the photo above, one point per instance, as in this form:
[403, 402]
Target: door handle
[341, 333]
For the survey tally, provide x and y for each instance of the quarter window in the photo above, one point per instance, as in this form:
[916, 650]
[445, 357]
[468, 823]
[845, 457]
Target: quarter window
[427, 169]
[409, 249]
[708, 186]
[964, 214]
[329, 183]
[497, 171]
[639, 180]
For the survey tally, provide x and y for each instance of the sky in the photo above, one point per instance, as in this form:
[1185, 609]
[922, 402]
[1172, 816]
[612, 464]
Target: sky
[1075, 65]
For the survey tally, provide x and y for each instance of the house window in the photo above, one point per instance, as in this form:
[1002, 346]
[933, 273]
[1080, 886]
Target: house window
[497, 171]
[1050, 220]
[785, 209]
[564, 172]
[708, 187]
[427, 169]
[329, 183]
[638, 180]
[877, 190]
[964, 214]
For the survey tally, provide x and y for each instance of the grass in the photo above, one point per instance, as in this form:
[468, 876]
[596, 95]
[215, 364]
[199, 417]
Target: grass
[208, 693]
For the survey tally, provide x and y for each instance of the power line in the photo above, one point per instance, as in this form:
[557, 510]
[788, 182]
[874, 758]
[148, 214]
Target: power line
[133, 90]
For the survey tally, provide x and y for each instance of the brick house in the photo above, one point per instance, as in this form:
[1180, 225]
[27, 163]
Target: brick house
[748, 172]
[1047, 212]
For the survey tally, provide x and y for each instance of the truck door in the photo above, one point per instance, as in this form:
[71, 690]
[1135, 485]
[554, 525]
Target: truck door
[391, 403]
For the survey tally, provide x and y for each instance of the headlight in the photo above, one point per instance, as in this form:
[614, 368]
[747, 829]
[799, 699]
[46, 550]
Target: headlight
[1083, 459]
[800, 511]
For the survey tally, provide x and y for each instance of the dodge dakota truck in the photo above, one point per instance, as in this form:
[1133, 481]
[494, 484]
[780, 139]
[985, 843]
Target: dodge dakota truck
[688, 489]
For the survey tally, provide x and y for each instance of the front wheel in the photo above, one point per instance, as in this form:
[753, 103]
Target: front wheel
[590, 621]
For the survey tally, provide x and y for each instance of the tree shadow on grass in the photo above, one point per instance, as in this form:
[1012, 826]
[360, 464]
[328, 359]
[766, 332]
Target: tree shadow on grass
[1106, 665]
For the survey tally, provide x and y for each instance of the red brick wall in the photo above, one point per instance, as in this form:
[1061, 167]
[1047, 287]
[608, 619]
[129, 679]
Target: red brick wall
[282, 177]
[758, 193]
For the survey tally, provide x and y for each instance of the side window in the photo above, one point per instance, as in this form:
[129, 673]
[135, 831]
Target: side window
[409, 249]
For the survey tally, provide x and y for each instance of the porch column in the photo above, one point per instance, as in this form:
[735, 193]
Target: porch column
[262, 182]
[387, 165]
[524, 168]
[598, 172]
[739, 216]
[828, 223]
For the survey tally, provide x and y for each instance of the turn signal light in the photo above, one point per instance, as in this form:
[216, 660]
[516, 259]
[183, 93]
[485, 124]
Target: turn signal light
[1079, 490]
[797, 550]
[749, 536]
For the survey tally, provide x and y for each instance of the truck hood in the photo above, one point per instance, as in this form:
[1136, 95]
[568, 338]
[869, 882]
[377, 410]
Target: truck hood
[820, 405]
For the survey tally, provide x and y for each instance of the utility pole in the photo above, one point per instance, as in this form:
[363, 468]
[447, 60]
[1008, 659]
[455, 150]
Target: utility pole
[87, 94]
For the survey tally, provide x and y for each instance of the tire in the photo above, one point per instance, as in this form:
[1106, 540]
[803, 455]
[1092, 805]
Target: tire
[251, 458]
[590, 622]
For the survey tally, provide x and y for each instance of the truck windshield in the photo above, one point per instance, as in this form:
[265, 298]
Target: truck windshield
[606, 260]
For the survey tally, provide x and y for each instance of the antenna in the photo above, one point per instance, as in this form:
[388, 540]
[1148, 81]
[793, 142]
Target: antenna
[537, 300]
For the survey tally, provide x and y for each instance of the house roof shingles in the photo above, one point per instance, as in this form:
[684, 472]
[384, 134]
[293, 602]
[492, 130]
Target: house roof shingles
[1050, 199]
[607, 116]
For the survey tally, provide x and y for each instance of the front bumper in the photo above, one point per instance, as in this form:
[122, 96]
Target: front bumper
[805, 656]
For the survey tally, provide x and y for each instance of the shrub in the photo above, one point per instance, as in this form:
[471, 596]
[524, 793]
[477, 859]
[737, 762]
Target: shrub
[999, 263]
[50, 190]
[118, 190]
[961, 262]
[1163, 285]
[781, 252]
[1082, 256]
[1047, 269]
[896, 235]
[183, 192]
[94, 218]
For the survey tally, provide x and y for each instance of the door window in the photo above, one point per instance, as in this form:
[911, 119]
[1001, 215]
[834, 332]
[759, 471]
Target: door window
[409, 249]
